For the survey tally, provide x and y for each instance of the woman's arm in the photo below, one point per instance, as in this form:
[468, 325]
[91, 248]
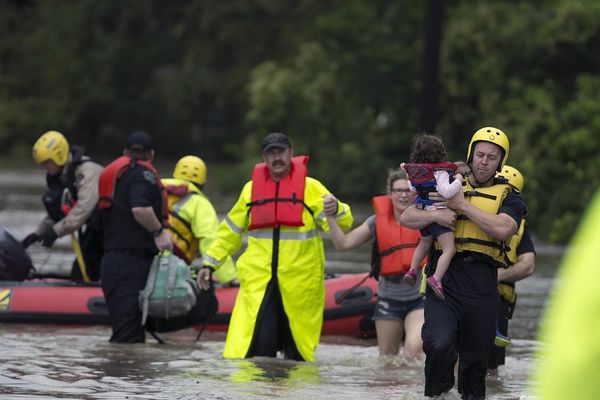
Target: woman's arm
[341, 240]
[346, 241]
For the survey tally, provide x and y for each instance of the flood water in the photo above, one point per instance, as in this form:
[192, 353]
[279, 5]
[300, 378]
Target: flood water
[69, 362]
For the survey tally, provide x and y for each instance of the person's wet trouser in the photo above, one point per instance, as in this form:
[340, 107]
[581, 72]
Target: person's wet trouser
[123, 276]
[272, 332]
[90, 241]
[498, 354]
[460, 327]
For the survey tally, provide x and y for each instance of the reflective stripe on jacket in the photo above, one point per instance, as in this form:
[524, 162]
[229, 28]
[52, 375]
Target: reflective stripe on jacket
[193, 224]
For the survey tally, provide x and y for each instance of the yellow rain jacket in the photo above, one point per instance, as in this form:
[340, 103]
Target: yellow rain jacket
[300, 269]
[566, 365]
[193, 224]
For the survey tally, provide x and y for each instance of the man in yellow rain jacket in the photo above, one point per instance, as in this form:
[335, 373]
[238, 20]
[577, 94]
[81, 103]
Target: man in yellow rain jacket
[192, 221]
[280, 303]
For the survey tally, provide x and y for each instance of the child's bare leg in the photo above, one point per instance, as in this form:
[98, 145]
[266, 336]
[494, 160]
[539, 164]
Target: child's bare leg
[425, 242]
[446, 241]
[421, 251]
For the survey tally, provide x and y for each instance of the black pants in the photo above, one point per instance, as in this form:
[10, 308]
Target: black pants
[123, 276]
[462, 326]
[91, 243]
[272, 332]
[498, 354]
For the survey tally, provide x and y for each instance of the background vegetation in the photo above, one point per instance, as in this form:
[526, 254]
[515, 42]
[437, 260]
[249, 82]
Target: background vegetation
[342, 78]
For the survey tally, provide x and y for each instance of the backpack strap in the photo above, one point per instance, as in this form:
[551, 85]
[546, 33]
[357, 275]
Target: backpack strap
[172, 268]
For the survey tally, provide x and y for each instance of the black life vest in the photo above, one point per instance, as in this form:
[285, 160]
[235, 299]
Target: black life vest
[53, 197]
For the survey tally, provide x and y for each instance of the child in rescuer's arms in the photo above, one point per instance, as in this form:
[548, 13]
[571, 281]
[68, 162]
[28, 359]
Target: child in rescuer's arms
[430, 171]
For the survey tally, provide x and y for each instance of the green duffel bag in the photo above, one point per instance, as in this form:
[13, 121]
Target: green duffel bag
[169, 290]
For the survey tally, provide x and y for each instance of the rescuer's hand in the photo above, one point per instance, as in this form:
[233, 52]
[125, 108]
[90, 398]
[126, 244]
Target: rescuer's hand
[330, 204]
[31, 239]
[204, 277]
[48, 237]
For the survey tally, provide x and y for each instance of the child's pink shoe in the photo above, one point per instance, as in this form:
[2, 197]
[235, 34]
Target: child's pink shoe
[438, 290]
[410, 277]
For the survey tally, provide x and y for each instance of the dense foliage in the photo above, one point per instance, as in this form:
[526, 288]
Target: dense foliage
[341, 78]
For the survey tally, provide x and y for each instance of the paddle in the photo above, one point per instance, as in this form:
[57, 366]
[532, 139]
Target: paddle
[79, 256]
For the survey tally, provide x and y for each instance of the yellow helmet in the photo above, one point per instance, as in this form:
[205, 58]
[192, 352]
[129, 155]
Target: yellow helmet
[52, 145]
[190, 168]
[514, 177]
[491, 135]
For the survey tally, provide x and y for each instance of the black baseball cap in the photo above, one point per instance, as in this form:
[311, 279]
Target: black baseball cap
[139, 140]
[275, 139]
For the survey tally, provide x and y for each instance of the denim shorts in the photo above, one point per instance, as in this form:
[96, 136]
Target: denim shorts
[395, 309]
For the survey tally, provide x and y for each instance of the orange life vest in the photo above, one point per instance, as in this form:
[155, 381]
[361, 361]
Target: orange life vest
[395, 243]
[111, 174]
[278, 203]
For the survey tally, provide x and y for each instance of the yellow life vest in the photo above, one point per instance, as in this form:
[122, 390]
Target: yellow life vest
[507, 289]
[507, 292]
[468, 236]
[514, 242]
[185, 244]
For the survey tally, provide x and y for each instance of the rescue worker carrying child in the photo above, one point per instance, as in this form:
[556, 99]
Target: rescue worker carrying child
[463, 326]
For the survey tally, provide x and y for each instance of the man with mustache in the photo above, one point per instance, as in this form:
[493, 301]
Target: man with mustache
[488, 212]
[279, 306]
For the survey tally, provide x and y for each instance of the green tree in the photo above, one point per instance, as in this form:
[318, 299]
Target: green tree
[342, 78]
[345, 96]
[529, 70]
